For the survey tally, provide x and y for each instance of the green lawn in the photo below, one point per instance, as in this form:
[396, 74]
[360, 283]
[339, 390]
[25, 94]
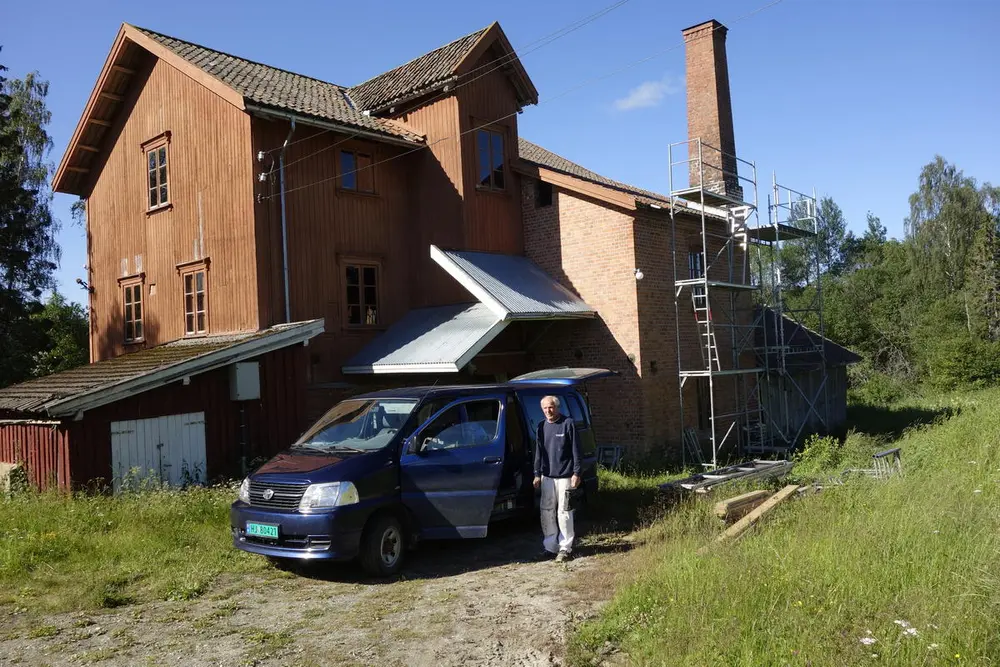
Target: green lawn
[899, 572]
[60, 553]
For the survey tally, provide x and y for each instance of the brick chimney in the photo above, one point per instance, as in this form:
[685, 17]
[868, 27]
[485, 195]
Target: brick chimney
[709, 108]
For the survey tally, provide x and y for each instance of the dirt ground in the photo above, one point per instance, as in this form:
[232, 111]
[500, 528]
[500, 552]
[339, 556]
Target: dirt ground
[471, 602]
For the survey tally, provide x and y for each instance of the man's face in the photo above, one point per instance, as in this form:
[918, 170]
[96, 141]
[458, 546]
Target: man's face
[550, 410]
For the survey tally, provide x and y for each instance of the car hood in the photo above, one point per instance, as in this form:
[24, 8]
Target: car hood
[297, 462]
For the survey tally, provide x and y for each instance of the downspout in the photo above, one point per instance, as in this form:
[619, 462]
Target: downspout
[284, 227]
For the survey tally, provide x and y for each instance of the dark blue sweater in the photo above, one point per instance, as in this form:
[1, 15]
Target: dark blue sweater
[557, 452]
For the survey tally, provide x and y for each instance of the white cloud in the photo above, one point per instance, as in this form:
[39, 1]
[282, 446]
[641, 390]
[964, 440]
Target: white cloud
[647, 94]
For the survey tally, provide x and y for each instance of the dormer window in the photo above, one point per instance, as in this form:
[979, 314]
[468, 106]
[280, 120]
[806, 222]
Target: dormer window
[489, 150]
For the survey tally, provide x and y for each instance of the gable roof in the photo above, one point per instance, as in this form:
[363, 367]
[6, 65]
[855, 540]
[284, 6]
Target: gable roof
[535, 154]
[90, 386]
[278, 88]
[802, 345]
[441, 66]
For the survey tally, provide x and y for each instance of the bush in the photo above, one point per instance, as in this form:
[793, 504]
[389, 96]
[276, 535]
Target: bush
[963, 361]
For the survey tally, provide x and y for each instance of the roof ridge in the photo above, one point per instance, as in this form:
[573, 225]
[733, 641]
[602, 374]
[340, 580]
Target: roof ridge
[246, 60]
[423, 55]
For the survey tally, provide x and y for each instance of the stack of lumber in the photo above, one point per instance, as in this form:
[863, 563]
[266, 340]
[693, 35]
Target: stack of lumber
[736, 508]
[751, 519]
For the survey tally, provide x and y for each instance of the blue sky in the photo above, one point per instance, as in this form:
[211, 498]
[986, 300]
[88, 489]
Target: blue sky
[850, 97]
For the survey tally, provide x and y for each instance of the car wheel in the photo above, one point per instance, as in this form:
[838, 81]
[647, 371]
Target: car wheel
[383, 546]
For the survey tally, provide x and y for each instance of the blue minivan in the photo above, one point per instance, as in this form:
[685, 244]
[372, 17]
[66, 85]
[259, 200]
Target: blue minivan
[381, 471]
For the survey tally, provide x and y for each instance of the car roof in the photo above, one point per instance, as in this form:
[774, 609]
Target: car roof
[461, 390]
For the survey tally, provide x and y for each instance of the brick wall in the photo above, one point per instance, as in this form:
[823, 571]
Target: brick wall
[594, 250]
[590, 248]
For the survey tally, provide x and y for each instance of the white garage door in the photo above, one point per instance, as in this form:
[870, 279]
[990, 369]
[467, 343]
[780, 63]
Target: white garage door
[168, 449]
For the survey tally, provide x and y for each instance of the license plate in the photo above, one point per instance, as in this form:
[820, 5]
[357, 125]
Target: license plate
[268, 530]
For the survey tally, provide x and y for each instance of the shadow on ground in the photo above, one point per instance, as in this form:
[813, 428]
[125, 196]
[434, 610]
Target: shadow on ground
[881, 421]
[603, 528]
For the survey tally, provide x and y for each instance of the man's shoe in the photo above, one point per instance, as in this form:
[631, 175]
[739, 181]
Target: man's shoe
[544, 554]
[563, 556]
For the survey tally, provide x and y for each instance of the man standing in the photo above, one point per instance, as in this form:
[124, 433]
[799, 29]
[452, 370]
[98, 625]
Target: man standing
[557, 470]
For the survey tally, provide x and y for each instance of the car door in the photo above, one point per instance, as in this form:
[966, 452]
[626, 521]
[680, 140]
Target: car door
[450, 467]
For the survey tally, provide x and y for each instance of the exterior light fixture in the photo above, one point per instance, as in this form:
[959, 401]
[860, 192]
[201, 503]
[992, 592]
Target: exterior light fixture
[638, 274]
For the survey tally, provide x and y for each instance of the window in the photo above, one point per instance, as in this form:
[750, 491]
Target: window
[362, 294]
[469, 424]
[696, 267]
[356, 171]
[195, 302]
[157, 171]
[489, 147]
[132, 300]
[543, 194]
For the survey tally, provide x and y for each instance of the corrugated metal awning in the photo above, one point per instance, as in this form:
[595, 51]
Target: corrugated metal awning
[429, 340]
[511, 286]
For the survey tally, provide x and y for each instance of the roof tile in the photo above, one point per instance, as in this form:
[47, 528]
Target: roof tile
[277, 88]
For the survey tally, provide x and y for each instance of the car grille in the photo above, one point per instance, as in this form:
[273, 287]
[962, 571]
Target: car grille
[286, 496]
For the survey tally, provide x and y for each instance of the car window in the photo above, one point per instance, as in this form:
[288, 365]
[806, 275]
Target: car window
[569, 404]
[576, 411]
[471, 424]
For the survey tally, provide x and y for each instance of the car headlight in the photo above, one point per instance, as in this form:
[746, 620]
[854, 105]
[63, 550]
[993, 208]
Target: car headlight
[245, 490]
[332, 494]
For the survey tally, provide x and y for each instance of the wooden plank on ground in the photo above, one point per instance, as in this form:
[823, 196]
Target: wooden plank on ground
[736, 507]
[749, 520]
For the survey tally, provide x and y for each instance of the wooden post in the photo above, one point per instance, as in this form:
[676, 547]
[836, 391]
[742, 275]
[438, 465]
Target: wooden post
[741, 526]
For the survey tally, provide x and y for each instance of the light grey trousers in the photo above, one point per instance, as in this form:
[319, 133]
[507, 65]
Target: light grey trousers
[557, 521]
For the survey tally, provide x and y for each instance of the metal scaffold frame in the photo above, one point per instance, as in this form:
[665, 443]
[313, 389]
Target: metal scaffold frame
[789, 348]
[717, 276]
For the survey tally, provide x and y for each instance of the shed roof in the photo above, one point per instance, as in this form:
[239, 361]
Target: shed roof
[440, 339]
[802, 345]
[511, 286]
[103, 382]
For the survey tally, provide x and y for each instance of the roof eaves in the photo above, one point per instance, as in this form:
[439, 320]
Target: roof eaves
[104, 394]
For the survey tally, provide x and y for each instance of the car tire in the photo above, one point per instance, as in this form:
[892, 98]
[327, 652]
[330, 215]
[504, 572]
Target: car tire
[383, 546]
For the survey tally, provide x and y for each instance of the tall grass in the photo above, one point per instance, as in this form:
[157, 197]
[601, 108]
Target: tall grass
[901, 572]
[60, 552]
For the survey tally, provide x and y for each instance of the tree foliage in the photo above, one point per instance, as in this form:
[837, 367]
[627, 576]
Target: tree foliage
[28, 250]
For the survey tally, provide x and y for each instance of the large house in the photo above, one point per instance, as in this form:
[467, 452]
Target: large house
[262, 243]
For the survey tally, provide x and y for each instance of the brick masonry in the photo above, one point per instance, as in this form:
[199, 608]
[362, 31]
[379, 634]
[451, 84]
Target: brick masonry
[594, 249]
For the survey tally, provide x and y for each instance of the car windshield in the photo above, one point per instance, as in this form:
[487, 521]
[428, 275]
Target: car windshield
[358, 425]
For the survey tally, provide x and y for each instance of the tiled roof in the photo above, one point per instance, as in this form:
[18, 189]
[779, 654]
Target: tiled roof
[537, 155]
[415, 76]
[41, 394]
[280, 89]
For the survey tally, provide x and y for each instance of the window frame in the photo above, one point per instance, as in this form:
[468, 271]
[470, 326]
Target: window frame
[356, 172]
[361, 264]
[149, 146]
[192, 269]
[418, 445]
[132, 285]
[491, 132]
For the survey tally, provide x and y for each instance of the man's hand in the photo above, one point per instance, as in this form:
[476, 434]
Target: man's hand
[537, 483]
[574, 481]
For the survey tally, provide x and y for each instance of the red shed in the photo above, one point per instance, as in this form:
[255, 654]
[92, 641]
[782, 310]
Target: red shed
[190, 410]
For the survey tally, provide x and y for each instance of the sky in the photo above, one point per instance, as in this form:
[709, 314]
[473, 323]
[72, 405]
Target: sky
[849, 98]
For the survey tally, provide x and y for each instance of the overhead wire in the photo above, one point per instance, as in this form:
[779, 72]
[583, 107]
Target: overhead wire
[494, 65]
[572, 89]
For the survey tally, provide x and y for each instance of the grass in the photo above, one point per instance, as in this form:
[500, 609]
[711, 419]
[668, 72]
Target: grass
[897, 572]
[66, 553]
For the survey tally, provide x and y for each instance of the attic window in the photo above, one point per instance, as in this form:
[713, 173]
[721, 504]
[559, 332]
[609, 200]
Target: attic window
[489, 149]
[543, 194]
[157, 188]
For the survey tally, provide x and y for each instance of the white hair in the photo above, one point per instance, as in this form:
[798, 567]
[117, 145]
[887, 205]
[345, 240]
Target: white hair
[554, 399]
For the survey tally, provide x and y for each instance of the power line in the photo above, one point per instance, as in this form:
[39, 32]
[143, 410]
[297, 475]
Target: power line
[551, 99]
[494, 65]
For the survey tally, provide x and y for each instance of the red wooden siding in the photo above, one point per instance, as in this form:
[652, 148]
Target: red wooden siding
[492, 219]
[210, 179]
[42, 448]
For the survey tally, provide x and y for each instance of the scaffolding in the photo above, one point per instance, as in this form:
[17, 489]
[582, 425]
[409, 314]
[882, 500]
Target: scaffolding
[793, 356]
[715, 280]
[761, 376]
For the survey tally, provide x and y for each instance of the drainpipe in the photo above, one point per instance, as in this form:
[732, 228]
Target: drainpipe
[284, 229]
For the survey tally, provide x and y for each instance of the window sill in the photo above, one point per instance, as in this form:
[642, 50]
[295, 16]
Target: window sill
[157, 209]
[200, 334]
[357, 193]
[493, 191]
